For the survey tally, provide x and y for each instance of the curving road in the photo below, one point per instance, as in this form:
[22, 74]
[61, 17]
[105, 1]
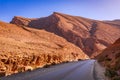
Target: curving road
[80, 70]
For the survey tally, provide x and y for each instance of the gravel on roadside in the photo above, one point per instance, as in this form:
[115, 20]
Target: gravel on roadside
[99, 72]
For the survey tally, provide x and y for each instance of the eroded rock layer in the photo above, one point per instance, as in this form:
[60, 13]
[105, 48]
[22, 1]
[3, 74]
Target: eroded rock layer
[23, 48]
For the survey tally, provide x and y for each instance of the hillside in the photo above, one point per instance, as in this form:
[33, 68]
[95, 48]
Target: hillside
[24, 48]
[111, 56]
[92, 36]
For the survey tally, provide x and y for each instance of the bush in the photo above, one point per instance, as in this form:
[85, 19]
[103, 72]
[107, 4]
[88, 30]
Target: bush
[116, 78]
[110, 73]
[117, 65]
[2, 74]
[108, 59]
[46, 66]
[79, 59]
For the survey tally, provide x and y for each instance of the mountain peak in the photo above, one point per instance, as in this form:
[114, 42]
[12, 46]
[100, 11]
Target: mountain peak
[90, 35]
[18, 17]
[55, 12]
[18, 20]
[58, 13]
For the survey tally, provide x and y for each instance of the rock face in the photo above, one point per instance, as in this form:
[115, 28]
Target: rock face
[91, 36]
[110, 57]
[23, 48]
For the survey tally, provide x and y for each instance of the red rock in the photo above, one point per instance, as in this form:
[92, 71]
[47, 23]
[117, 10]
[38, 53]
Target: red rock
[110, 57]
[23, 48]
[91, 36]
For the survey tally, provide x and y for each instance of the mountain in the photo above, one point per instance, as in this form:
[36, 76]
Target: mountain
[114, 22]
[23, 48]
[111, 55]
[92, 36]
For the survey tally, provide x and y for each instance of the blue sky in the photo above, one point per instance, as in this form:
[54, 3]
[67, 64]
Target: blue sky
[94, 9]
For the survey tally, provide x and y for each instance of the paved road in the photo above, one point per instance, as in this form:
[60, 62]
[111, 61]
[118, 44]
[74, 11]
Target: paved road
[80, 70]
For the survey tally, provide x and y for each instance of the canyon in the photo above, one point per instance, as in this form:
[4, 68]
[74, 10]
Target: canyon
[31, 43]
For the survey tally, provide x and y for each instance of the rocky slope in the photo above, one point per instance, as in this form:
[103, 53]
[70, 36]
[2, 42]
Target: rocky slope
[23, 48]
[111, 56]
[91, 36]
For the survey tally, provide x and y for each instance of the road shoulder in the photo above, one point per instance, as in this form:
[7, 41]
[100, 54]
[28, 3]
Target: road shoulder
[99, 72]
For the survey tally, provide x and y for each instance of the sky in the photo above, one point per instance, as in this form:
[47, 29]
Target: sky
[94, 9]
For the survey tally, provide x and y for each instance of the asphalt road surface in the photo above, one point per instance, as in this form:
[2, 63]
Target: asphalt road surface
[79, 70]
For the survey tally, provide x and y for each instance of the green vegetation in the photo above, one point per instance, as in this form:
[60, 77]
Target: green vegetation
[112, 74]
[116, 78]
[117, 64]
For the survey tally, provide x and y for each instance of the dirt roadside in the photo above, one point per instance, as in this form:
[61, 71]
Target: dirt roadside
[99, 72]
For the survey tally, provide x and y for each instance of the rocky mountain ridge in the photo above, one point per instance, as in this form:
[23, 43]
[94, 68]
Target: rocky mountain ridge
[92, 36]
